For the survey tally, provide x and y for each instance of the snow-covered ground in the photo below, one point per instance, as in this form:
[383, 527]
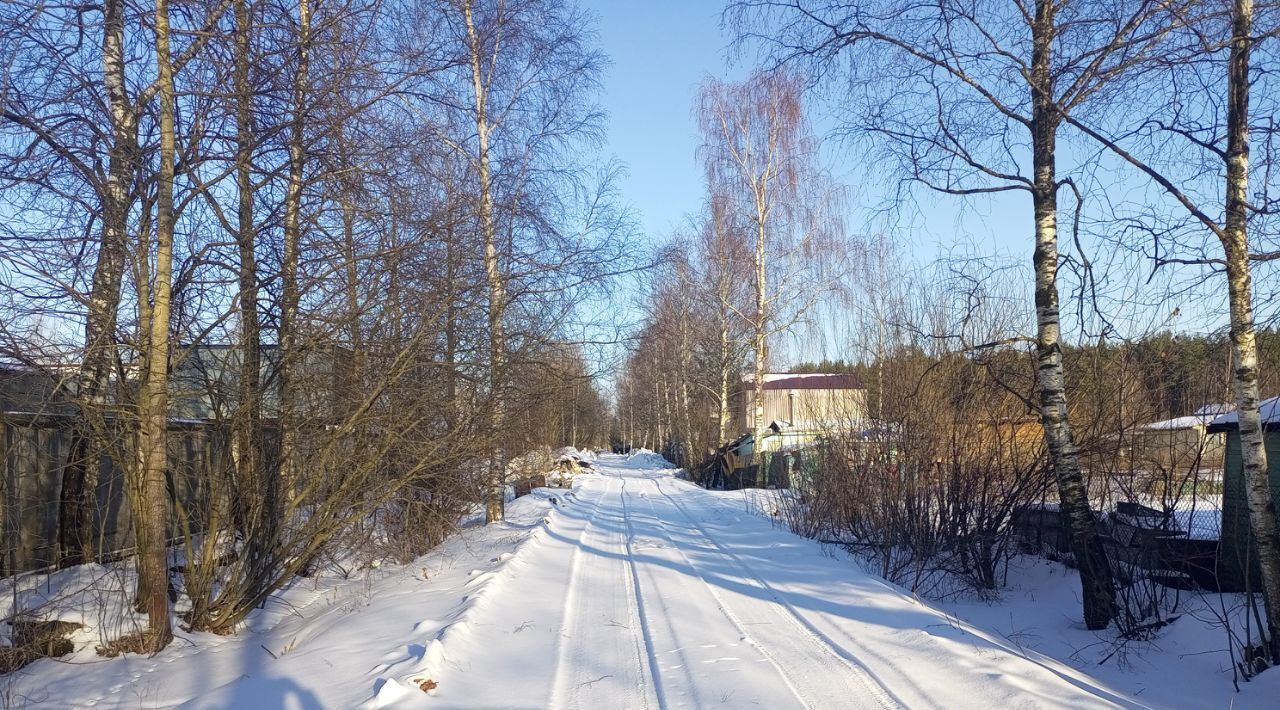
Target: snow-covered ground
[635, 589]
[1185, 664]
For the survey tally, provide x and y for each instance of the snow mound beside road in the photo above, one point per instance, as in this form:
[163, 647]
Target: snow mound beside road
[644, 458]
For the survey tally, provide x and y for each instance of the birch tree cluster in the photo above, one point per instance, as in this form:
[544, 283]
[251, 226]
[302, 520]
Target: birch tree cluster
[686, 360]
[1144, 127]
[344, 242]
[768, 248]
[1133, 146]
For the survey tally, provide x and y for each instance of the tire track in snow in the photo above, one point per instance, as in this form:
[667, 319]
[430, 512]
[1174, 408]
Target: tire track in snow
[635, 613]
[591, 640]
[637, 598]
[819, 642]
[728, 613]
[829, 637]
[839, 638]
[700, 658]
[567, 609]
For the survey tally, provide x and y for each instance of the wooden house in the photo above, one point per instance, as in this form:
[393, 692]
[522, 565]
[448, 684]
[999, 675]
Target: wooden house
[1181, 442]
[38, 416]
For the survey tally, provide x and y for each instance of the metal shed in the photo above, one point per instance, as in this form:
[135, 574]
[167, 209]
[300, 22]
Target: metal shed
[1238, 561]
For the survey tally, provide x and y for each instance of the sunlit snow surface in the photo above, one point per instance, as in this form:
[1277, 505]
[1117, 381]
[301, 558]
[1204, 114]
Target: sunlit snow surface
[638, 590]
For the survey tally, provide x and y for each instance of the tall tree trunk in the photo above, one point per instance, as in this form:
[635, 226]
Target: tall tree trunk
[153, 508]
[660, 391]
[724, 292]
[573, 416]
[759, 338]
[686, 420]
[722, 392]
[255, 508]
[1244, 347]
[493, 276]
[288, 356]
[351, 286]
[726, 364]
[451, 332]
[91, 440]
[1098, 591]
[879, 364]
[656, 421]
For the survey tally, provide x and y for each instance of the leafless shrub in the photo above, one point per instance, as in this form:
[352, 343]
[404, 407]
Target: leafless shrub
[926, 494]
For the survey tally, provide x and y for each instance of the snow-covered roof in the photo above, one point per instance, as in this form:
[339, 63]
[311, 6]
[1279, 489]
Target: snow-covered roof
[814, 381]
[808, 381]
[1203, 416]
[1189, 422]
[812, 425]
[1215, 410]
[1270, 410]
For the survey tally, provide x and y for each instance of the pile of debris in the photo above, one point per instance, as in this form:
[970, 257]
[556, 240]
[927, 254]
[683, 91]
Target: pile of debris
[31, 640]
[569, 463]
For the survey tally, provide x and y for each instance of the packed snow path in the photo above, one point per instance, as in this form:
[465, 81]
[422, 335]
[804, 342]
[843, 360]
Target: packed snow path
[644, 591]
[632, 590]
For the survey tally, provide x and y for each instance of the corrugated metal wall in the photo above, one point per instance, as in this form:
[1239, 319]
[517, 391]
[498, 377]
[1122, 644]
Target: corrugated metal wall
[846, 406]
[35, 451]
[1237, 552]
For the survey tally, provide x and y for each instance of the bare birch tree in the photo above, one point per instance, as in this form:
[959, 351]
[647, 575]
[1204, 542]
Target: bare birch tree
[44, 120]
[969, 99]
[721, 254]
[761, 156]
[186, 188]
[151, 499]
[1207, 141]
[287, 332]
[523, 82]
[478, 56]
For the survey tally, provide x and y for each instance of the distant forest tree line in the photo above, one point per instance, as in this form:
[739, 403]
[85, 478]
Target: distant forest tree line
[1178, 372]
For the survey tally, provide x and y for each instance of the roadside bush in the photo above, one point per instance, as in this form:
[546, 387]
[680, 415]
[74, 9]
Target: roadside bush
[926, 495]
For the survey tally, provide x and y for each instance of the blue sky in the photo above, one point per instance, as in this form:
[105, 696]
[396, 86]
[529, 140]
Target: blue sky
[660, 50]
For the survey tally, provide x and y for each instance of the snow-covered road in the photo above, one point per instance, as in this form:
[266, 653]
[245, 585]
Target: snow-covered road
[632, 590]
[645, 591]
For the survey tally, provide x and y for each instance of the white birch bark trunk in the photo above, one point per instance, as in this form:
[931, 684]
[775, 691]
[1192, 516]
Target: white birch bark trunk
[1097, 587]
[1244, 347]
[80, 481]
[495, 502]
[722, 394]
[760, 334]
[289, 291]
[723, 294]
